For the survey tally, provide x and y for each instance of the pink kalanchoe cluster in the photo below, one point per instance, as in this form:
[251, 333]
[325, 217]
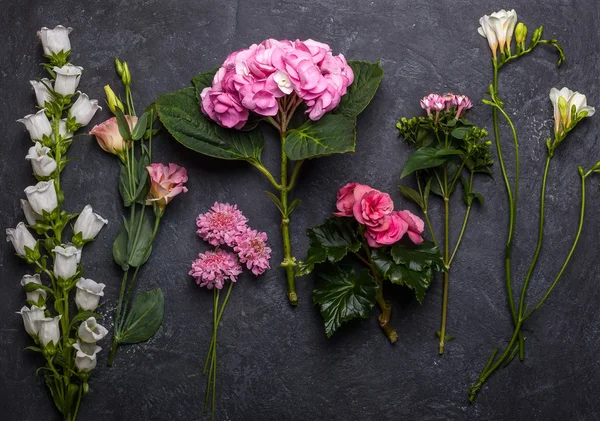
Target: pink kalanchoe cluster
[224, 224]
[375, 210]
[253, 79]
[436, 103]
[213, 268]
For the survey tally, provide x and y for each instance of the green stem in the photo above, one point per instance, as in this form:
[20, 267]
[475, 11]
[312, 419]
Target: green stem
[116, 333]
[212, 341]
[425, 210]
[464, 224]
[259, 166]
[295, 174]
[512, 201]
[79, 396]
[447, 272]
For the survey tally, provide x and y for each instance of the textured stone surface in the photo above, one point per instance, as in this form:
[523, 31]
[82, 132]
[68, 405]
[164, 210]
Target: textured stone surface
[275, 363]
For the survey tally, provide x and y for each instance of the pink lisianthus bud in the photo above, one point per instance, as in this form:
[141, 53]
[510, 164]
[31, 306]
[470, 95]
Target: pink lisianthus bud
[166, 183]
[224, 108]
[462, 103]
[222, 224]
[395, 231]
[108, 136]
[415, 225]
[373, 209]
[213, 268]
[252, 249]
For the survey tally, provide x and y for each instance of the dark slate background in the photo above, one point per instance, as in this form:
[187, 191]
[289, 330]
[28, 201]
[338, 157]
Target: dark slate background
[275, 362]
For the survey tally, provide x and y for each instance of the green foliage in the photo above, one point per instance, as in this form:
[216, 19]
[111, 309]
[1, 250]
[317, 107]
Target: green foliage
[342, 295]
[367, 77]
[143, 318]
[332, 134]
[133, 244]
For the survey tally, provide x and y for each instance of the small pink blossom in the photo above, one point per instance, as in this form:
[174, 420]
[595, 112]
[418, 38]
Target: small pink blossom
[433, 102]
[415, 226]
[462, 103]
[252, 249]
[345, 200]
[222, 224]
[374, 209]
[395, 231]
[108, 136]
[213, 268]
[450, 99]
[166, 183]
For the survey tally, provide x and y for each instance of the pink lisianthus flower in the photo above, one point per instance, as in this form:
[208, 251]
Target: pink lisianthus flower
[108, 136]
[223, 108]
[395, 231]
[213, 268]
[252, 250]
[415, 226]
[222, 224]
[166, 183]
[373, 209]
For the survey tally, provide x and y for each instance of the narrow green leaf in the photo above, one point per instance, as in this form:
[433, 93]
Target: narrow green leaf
[124, 128]
[275, 200]
[446, 337]
[125, 186]
[343, 295]
[413, 195]
[140, 128]
[295, 203]
[30, 287]
[84, 315]
[33, 348]
[120, 247]
[367, 77]
[144, 317]
[428, 158]
[141, 245]
[332, 134]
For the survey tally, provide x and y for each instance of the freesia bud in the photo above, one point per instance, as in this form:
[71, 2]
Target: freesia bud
[55, 40]
[85, 359]
[42, 197]
[42, 163]
[31, 217]
[31, 319]
[67, 79]
[90, 332]
[65, 261]
[521, 34]
[109, 137]
[112, 100]
[166, 183]
[20, 237]
[42, 92]
[566, 103]
[88, 294]
[88, 223]
[126, 77]
[37, 125]
[33, 296]
[49, 332]
[83, 109]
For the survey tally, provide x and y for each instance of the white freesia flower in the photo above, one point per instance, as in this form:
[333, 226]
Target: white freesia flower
[31, 319]
[42, 94]
[83, 109]
[37, 125]
[88, 223]
[42, 164]
[42, 197]
[49, 331]
[498, 28]
[55, 40]
[30, 215]
[88, 294]
[85, 359]
[65, 261]
[90, 331]
[283, 82]
[33, 296]
[20, 238]
[564, 101]
[67, 79]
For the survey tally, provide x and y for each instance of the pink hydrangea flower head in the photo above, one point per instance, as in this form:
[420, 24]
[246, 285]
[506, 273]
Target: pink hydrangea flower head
[252, 250]
[395, 231]
[222, 224]
[415, 225]
[257, 98]
[462, 103]
[213, 268]
[223, 108]
[166, 182]
[374, 209]
[317, 50]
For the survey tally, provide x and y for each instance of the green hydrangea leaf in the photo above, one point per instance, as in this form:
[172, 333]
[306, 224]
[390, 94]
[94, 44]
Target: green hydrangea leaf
[367, 77]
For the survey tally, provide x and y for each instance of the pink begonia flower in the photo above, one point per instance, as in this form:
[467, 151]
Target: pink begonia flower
[415, 226]
[345, 200]
[463, 103]
[224, 108]
[395, 231]
[374, 209]
[108, 136]
[252, 249]
[222, 224]
[213, 268]
[166, 183]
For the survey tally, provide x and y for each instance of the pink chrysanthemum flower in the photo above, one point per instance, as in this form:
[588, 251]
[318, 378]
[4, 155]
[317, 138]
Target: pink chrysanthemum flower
[222, 224]
[253, 250]
[213, 268]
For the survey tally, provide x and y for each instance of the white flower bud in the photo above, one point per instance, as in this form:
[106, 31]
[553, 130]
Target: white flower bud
[20, 238]
[88, 294]
[88, 223]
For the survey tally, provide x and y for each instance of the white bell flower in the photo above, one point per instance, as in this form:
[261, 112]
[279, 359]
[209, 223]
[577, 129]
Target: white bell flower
[564, 101]
[31, 217]
[67, 79]
[42, 197]
[49, 331]
[42, 163]
[83, 109]
[31, 319]
[55, 40]
[85, 358]
[42, 94]
[20, 238]
[88, 294]
[65, 261]
[37, 125]
[33, 296]
[88, 223]
[89, 331]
